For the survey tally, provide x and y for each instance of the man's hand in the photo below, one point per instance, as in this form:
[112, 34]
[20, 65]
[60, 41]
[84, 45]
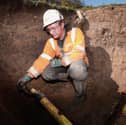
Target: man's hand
[23, 82]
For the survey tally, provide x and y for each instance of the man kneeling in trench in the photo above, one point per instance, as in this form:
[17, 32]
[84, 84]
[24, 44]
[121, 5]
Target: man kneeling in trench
[64, 56]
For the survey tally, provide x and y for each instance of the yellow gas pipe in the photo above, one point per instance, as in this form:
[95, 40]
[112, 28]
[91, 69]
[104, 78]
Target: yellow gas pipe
[59, 117]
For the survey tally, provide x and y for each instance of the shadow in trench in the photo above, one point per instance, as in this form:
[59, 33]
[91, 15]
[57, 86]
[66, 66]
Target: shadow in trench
[117, 116]
[102, 95]
[19, 109]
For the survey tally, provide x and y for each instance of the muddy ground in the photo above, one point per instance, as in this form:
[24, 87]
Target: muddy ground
[21, 41]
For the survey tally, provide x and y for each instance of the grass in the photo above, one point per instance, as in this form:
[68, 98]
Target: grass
[71, 7]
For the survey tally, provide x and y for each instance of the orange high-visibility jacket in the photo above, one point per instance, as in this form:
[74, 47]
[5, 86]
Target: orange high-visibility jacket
[73, 49]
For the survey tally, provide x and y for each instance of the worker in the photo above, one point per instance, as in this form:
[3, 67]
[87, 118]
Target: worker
[64, 56]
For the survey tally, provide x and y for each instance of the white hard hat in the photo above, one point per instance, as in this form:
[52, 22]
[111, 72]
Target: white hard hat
[51, 16]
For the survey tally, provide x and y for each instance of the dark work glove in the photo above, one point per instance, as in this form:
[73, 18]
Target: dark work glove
[23, 82]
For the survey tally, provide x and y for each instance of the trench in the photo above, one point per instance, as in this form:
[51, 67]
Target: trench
[21, 41]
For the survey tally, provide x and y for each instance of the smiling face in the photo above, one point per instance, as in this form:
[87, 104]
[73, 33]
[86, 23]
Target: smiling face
[56, 30]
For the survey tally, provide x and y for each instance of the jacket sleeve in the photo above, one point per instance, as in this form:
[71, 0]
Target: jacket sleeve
[42, 61]
[78, 49]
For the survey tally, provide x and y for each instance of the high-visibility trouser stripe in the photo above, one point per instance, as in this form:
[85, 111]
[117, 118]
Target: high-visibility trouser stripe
[33, 71]
[52, 43]
[73, 34]
[46, 56]
[80, 48]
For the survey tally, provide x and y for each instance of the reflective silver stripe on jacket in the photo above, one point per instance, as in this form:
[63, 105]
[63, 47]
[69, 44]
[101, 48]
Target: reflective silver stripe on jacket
[81, 48]
[73, 34]
[33, 71]
[52, 43]
[46, 56]
[66, 60]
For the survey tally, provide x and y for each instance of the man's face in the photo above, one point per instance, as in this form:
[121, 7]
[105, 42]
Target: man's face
[56, 29]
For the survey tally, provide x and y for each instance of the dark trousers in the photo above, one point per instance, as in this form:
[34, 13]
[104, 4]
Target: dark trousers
[76, 71]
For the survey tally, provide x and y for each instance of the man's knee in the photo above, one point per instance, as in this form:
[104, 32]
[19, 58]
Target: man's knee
[78, 70]
[48, 75]
[45, 77]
